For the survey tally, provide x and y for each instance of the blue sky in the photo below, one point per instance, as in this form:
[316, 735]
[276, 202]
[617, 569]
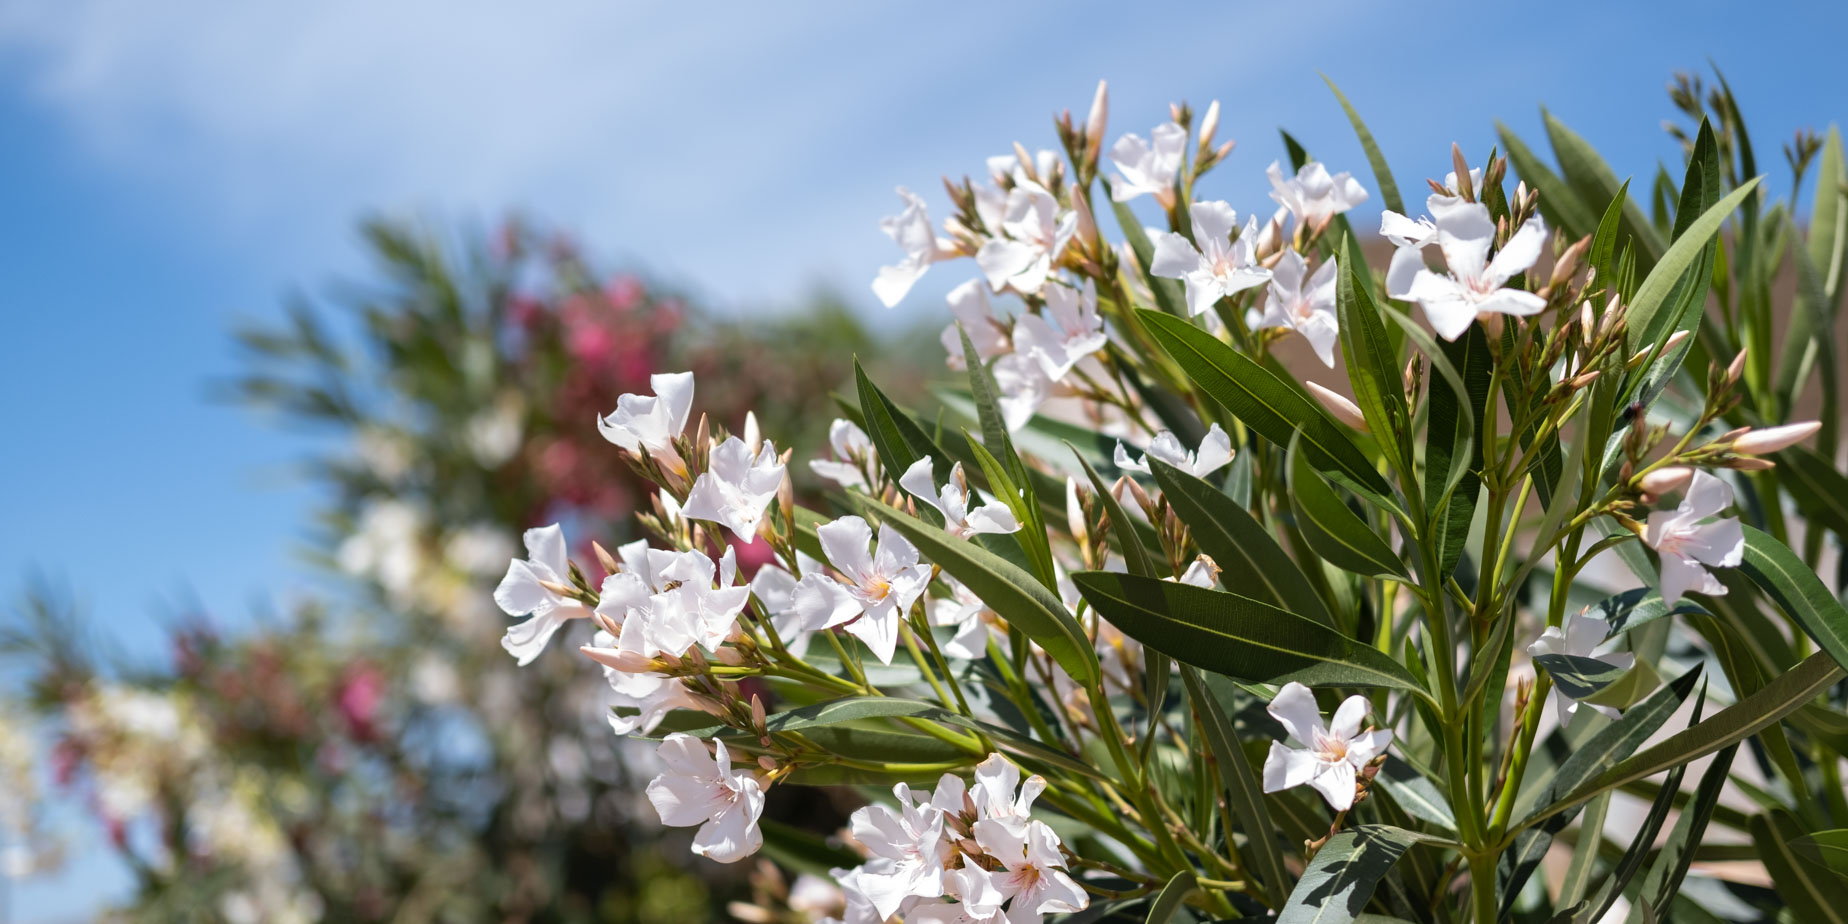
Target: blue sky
[171, 168]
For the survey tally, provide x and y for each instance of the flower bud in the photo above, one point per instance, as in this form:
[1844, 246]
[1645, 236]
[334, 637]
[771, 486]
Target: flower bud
[604, 558]
[758, 717]
[1087, 223]
[1074, 512]
[629, 662]
[1094, 125]
[753, 437]
[1586, 379]
[1568, 262]
[1760, 442]
[767, 762]
[1027, 165]
[1209, 124]
[1735, 368]
[1343, 409]
[1675, 339]
[1464, 187]
[1666, 480]
[1751, 464]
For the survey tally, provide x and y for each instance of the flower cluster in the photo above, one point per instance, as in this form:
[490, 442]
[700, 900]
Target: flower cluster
[1237, 548]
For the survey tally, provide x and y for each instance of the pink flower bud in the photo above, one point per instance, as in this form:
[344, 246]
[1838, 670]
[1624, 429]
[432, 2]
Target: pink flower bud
[1095, 124]
[1343, 409]
[1736, 367]
[1759, 442]
[1665, 480]
[629, 662]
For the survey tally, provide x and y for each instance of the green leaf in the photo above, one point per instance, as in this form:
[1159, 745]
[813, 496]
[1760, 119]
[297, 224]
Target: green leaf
[898, 439]
[1603, 254]
[1337, 884]
[1638, 607]
[1561, 207]
[1810, 895]
[1453, 440]
[1735, 723]
[1332, 530]
[1372, 362]
[1820, 490]
[1677, 852]
[1172, 895]
[1260, 399]
[1389, 190]
[1824, 849]
[1579, 677]
[1646, 317]
[1237, 636]
[1011, 592]
[1243, 549]
[1417, 795]
[1594, 182]
[1798, 591]
[803, 851]
[1612, 743]
[1213, 706]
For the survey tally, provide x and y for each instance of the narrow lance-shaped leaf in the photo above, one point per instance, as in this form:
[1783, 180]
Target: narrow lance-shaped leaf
[1237, 636]
[1244, 550]
[1338, 882]
[1011, 592]
[1382, 175]
[1212, 706]
[1372, 363]
[1333, 530]
[1275, 410]
[1810, 894]
[1737, 722]
[1798, 591]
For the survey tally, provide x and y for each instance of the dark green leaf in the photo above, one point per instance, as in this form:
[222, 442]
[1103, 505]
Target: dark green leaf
[1213, 706]
[1798, 591]
[1824, 849]
[1011, 592]
[1237, 636]
[1342, 538]
[1275, 410]
[1172, 895]
[1372, 363]
[1810, 895]
[1246, 553]
[1338, 882]
[1579, 677]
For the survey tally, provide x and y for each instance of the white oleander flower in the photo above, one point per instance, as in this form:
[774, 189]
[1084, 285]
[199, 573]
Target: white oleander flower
[912, 230]
[736, 487]
[1579, 637]
[1214, 453]
[1218, 266]
[650, 423]
[521, 592]
[704, 789]
[1304, 306]
[1688, 545]
[1067, 332]
[664, 602]
[853, 455]
[1148, 166]
[1313, 195]
[990, 335]
[775, 589]
[878, 586]
[963, 610]
[952, 500]
[651, 695]
[1022, 385]
[1032, 876]
[1333, 754]
[1037, 232]
[1474, 283]
[909, 851]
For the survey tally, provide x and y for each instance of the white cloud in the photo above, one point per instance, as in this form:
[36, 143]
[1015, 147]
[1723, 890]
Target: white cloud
[746, 148]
